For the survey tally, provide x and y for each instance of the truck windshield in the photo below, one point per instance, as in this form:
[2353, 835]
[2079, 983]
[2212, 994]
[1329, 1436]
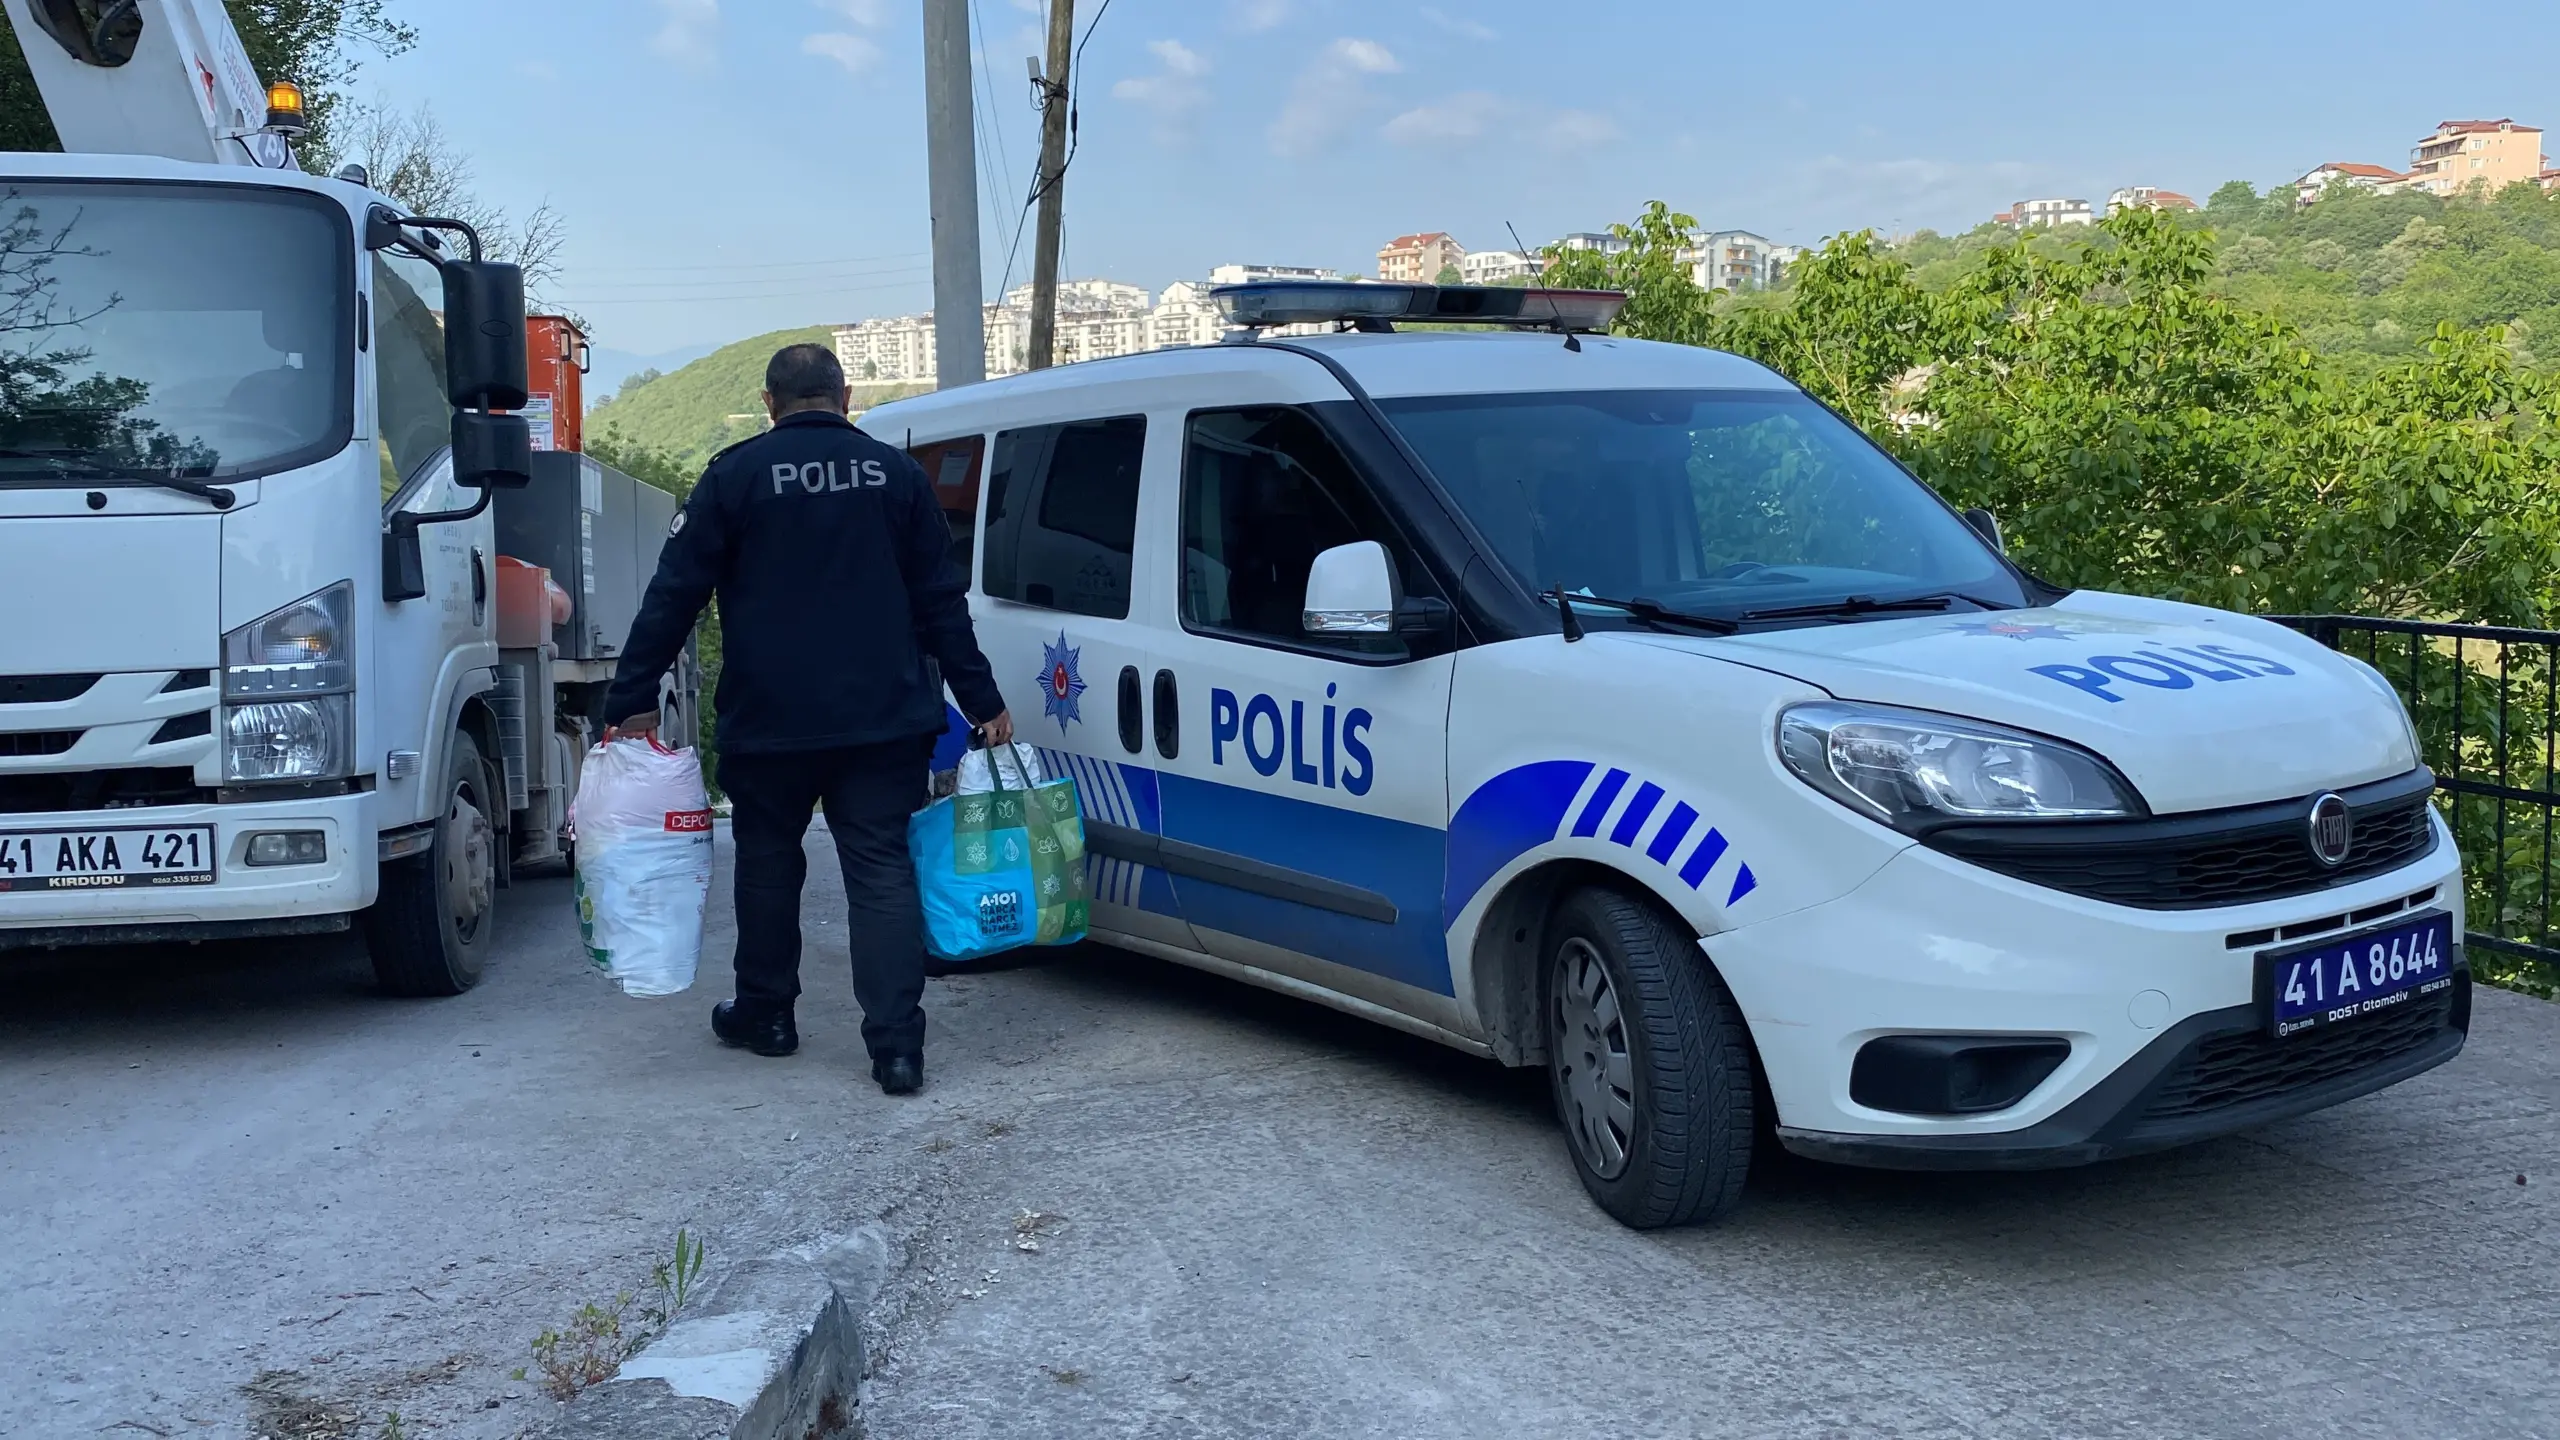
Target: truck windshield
[1714, 503]
[170, 330]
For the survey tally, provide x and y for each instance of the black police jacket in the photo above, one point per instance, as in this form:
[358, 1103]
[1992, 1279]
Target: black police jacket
[832, 563]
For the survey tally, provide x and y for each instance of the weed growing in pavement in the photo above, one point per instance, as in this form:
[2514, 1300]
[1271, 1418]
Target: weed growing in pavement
[598, 1338]
[391, 1428]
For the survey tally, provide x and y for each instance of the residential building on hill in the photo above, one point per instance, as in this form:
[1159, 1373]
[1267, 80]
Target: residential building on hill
[1419, 257]
[2381, 179]
[1097, 319]
[1593, 240]
[2551, 179]
[1251, 274]
[2466, 152]
[1738, 260]
[1492, 267]
[2030, 214]
[2147, 197]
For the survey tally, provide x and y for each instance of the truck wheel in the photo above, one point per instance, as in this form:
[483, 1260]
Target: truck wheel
[429, 930]
[1649, 1062]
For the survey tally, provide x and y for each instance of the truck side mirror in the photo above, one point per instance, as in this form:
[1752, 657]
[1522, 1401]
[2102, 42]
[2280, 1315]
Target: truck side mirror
[484, 359]
[492, 452]
[1351, 590]
[1986, 525]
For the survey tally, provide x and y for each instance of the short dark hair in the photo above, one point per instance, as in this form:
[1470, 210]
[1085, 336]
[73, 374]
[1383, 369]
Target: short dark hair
[803, 372]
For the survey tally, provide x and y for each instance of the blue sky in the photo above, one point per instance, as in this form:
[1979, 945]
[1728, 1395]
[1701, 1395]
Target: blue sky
[733, 166]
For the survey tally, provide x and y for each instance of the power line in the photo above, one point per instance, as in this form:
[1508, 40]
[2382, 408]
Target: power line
[774, 265]
[708, 286]
[803, 291]
[1040, 183]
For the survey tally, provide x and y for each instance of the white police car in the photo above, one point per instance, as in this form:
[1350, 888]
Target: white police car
[1803, 808]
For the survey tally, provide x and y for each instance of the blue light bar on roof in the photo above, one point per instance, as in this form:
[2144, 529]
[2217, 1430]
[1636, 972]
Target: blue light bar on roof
[1318, 302]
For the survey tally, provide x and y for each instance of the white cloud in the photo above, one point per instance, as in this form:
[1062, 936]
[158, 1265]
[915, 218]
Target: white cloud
[1457, 120]
[869, 14]
[688, 30]
[1577, 130]
[1174, 93]
[1330, 95]
[1256, 15]
[1466, 26]
[1474, 117]
[853, 52]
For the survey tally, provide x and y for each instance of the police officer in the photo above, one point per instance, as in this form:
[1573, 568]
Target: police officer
[831, 560]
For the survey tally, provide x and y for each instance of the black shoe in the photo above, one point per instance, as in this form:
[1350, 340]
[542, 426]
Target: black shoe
[899, 1074]
[767, 1032]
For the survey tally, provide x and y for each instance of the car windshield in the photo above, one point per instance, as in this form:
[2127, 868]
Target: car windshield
[169, 330]
[1714, 503]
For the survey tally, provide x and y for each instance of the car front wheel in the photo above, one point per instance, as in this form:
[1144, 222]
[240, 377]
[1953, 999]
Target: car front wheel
[1649, 1062]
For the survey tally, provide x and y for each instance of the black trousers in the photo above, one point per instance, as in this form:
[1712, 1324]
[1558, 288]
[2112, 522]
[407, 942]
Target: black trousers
[868, 793]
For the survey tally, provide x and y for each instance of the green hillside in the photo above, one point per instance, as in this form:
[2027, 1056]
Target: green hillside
[687, 414]
[679, 420]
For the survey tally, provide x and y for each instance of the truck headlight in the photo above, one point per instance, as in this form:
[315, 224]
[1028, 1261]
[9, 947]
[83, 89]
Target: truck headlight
[287, 680]
[1917, 771]
[287, 740]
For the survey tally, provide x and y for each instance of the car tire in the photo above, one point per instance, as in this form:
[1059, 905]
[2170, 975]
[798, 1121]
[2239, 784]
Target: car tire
[429, 929]
[1648, 1060]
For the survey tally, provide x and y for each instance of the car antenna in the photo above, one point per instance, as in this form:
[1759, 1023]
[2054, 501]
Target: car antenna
[1564, 608]
[1572, 341]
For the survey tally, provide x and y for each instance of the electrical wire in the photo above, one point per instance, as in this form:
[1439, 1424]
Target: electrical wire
[1041, 184]
[774, 265]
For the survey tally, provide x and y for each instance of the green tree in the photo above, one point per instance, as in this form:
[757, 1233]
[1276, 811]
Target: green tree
[317, 43]
[1449, 275]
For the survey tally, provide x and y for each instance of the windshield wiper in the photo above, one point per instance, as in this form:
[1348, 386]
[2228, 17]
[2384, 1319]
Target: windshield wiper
[1652, 614]
[1869, 605]
[215, 495]
[220, 498]
[1854, 605]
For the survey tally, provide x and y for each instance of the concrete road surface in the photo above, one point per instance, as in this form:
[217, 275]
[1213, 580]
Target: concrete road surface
[246, 1196]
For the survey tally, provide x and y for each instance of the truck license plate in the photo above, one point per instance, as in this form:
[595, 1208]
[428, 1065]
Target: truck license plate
[106, 859]
[2359, 975]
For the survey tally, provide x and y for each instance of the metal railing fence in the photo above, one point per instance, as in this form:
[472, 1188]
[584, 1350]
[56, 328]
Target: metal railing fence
[2486, 702]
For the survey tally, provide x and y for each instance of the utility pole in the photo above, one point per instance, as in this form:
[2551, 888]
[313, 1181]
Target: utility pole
[1054, 102]
[959, 328]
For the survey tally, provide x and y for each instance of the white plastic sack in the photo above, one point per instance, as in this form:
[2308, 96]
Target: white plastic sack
[1015, 767]
[643, 827]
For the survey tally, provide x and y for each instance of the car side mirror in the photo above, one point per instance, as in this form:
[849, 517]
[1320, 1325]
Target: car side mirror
[484, 358]
[1351, 590]
[492, 452]
[1986, 525]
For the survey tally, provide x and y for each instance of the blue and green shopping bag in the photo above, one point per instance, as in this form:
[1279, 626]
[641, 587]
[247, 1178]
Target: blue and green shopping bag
[1000, 865]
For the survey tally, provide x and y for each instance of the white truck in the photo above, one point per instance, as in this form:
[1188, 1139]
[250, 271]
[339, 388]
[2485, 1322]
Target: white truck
[275, 663]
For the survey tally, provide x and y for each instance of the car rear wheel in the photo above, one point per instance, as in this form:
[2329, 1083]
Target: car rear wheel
[1649, 1063]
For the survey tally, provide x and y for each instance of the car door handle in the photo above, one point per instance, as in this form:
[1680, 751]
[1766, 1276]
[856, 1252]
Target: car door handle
[1168, 717]
[1132, 723]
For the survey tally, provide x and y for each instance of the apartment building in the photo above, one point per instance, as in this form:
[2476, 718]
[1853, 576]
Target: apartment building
[1419, 258]
[1493, 267]
[2147, 197]
[2463, 153]
[2381, 179]
[1594, 240]
[2031, 214]
[1738, 260]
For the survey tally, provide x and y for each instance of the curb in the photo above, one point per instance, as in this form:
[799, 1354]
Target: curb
[775, 1353]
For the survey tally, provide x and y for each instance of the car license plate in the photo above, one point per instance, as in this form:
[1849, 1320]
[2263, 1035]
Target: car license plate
[106, 859]
[2355, 976]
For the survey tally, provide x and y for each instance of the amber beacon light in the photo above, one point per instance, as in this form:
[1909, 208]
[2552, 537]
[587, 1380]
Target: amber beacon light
[285, 114]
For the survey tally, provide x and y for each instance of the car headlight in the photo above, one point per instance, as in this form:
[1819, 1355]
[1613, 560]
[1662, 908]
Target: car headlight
[286, 683]
[2390, 692]
[1917, 771]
